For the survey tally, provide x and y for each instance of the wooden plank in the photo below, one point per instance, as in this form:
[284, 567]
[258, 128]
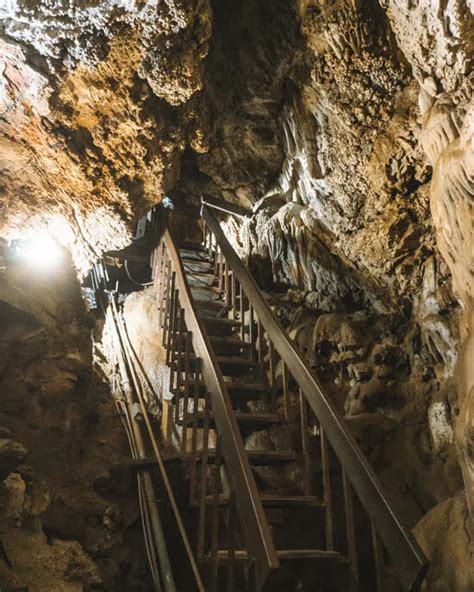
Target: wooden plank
[378, 561]
[288, 554]
[203, 481]
[262, 419]
[277, 501]
[350, 532]
[166, 422]
[254, 457]
[327, 491]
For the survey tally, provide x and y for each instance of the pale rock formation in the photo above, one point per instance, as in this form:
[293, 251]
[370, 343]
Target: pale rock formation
[444, 536]
[347, 125]
[440, 52]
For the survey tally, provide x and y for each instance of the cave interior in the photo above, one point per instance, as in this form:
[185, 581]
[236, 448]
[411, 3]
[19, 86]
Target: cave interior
[236, 310]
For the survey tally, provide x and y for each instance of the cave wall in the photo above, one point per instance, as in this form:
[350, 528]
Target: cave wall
[440, 52]
[346, 124]
[69, 516]
[368, 222]
[98, 103]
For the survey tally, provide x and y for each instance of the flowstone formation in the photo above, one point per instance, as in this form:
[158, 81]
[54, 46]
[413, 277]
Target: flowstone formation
[98, 114]
[347, 125]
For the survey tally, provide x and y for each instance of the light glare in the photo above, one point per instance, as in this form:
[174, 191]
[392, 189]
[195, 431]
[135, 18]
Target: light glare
[40, 249]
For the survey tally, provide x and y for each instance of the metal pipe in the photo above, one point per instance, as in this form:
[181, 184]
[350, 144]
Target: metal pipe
[150, 550]
[127, 349]
[148, 487]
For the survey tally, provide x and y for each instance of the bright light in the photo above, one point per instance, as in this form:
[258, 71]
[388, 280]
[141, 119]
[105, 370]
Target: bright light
[42, 243]
[59, 228]
[41, 249]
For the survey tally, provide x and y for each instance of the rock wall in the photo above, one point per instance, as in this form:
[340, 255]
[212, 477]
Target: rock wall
[445, 82]
[97, 104]
[69, 516]
[440, 53]
[346, 124]
[367, 221]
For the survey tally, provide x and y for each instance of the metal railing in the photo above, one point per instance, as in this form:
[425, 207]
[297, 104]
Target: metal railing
[193, 365]
[276, 350]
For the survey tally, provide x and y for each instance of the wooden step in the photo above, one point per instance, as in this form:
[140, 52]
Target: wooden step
[222, 345]
[259, 420]
[230, 346]
[235, 361]
[191, 255]
[198, 267]
[220, 327]
[205, 292]
[229, 365]
[214, 308]
[270, 457]
[287, 554]
[276, 501]
[210, 294]
[210, 303]
[216, 340]
[223, 321]
[256, 457]
[200, 280]
[249, 391]
[201, 274]
[193, 247]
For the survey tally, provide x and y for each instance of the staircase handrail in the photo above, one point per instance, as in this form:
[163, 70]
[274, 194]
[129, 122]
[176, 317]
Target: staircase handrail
[258, 539]
[412, 564]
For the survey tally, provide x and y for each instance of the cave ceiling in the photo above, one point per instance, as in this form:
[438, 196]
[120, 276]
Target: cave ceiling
[349, 118]
[346, 126]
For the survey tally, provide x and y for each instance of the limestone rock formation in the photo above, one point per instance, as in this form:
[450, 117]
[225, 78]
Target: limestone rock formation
[347, 127]
[68, 514]
[444, 536]
[94, 113]
[440, 53]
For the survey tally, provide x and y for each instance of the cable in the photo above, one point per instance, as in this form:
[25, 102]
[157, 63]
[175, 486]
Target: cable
[142, 284]
[156, 450]
[142, 498]
[125, 346]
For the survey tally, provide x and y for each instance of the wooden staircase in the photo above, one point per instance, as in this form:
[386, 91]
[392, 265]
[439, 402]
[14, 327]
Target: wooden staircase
[270, 468]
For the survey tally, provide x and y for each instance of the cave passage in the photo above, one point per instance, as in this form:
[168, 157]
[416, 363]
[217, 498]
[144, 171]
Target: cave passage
[236, 296]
